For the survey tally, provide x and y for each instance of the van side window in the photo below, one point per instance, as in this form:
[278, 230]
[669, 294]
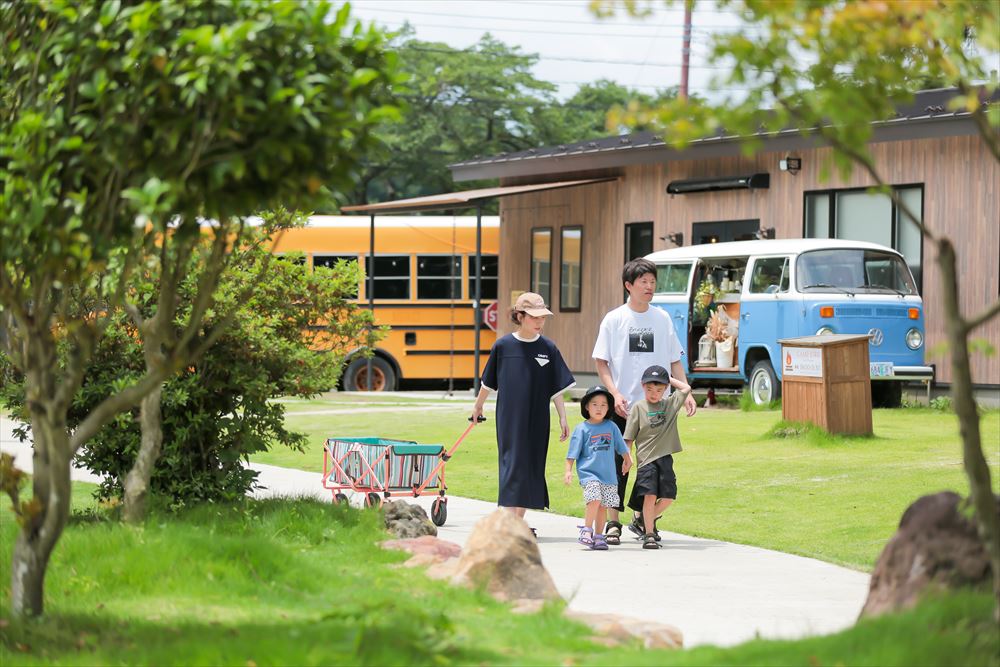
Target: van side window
[672, 278]
[770, 275]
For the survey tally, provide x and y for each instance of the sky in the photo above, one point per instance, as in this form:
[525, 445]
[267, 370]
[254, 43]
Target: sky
[574, 46]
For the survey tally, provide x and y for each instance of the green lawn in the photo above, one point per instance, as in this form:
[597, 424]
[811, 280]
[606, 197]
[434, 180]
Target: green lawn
[838, 500]
[304, 583]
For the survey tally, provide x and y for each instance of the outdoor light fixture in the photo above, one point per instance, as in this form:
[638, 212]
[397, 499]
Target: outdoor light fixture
[677, 238]
[790, 164]
[765, 233]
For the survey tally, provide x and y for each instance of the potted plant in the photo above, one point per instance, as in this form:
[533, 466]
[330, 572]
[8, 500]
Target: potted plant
[703, 298]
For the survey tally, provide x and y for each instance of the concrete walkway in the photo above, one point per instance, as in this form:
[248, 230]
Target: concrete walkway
[715, 592]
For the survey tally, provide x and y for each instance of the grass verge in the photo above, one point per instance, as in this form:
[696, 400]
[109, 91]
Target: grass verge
[300, 582]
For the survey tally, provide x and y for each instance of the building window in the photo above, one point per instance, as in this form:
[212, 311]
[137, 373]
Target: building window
[569, 268]
[488, 281]
[439, 277]
[392, 276]
[859, 215]
[541, 262]
[638, 240]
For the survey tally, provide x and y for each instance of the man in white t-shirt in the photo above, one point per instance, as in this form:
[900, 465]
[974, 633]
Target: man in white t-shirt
[633, 337]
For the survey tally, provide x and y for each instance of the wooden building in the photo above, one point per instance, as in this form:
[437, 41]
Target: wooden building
[572, 242]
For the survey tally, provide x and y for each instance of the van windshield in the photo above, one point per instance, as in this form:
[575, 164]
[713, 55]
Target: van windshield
[848, 270]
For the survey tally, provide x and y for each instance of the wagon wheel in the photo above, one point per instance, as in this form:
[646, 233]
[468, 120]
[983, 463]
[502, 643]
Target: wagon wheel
[373, 499]
[341, 499]
[439, 511]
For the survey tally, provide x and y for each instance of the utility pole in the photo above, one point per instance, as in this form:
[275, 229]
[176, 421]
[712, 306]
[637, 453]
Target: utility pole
[686, 49]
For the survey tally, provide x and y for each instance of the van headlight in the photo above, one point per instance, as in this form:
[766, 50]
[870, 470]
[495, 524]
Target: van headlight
[914, 339]
[824, 331]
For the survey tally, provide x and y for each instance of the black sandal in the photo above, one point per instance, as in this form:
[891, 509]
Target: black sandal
[613, 533]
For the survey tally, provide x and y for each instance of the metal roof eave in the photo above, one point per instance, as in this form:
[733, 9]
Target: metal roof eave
[919, 127]
[465, 198]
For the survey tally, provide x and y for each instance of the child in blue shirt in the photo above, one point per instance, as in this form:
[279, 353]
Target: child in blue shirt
[593, 446]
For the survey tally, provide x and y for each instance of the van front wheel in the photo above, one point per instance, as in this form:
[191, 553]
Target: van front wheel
[764, 385]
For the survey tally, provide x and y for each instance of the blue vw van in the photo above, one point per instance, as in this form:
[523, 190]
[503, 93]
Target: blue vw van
[773, 289]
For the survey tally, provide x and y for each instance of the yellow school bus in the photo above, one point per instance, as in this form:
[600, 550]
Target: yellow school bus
[425, 269]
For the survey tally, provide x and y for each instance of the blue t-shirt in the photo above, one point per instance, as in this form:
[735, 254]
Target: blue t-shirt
[594, 446]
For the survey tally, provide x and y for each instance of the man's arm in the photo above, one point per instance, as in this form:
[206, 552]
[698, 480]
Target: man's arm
[677, 371]
[604, 373]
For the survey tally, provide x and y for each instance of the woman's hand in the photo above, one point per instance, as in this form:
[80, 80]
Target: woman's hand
[626, 463]
[477, 412]
[564, 425]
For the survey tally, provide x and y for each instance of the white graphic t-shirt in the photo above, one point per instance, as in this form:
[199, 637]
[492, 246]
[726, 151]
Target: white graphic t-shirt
[631, 342]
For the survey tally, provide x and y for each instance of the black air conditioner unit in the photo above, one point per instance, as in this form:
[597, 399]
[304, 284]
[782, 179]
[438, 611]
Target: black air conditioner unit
[754, 182]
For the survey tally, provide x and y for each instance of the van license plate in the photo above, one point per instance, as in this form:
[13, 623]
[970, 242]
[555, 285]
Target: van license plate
[881, 369]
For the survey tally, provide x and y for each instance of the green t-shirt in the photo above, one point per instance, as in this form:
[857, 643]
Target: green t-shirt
[654, 428]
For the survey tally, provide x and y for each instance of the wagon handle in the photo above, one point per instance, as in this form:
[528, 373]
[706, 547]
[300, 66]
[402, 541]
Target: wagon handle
[479, 420]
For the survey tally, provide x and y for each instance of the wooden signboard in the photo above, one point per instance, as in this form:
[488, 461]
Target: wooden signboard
[825, 380]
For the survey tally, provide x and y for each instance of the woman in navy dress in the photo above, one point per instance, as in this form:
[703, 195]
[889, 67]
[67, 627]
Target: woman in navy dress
[527, 371]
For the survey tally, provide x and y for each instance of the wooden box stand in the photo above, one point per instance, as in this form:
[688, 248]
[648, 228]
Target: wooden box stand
[826, 380]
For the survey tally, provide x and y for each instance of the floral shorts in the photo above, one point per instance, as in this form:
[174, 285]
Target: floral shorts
[606, 493]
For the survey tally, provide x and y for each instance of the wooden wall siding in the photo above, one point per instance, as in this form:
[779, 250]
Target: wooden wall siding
[961, 197]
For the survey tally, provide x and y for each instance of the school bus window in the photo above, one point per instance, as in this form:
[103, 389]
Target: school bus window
[330, 261]
[392, 276]
[434, 275]
[296, 258]
[488, 282]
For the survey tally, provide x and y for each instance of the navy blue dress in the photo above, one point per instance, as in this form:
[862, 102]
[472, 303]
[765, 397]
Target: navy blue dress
[526, 377]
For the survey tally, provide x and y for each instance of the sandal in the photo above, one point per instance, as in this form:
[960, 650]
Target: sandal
[600, 543]
[586, 536]
[613, 533]
[649, 542]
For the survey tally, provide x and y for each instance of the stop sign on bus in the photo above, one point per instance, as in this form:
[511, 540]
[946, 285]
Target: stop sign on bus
[490, 314]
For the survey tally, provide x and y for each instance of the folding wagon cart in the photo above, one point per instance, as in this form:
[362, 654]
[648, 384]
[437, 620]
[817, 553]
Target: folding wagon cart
[380, 468]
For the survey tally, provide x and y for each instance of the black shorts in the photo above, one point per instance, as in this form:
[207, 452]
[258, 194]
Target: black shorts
[622, 479]
[656, 478]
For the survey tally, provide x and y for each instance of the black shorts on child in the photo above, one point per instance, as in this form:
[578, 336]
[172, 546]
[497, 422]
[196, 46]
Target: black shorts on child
[656, 478]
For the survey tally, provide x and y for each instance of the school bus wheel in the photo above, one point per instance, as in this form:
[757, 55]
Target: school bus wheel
[356, 375]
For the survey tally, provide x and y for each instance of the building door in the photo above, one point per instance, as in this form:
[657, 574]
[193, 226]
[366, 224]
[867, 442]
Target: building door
[725, 231]
[638, 240]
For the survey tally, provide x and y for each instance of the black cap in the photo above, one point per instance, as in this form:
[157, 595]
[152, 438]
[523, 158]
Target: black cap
[594, 391]
[656, 374]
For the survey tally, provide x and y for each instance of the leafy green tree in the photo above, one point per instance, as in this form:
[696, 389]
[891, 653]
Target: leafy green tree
[584, 115]
[832, 68]
[290, 335]
[120, 126]
[477, 101]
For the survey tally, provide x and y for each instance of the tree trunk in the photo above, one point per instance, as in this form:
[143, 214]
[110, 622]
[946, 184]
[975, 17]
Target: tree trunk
[44, 517]
[138, 478]
[978, 472]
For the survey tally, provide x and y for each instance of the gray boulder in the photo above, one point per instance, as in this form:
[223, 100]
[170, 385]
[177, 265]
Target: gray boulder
[405, 520]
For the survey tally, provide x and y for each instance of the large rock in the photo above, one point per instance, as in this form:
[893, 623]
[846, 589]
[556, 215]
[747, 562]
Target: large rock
[406, 520]
[612, 630]
[501, 555]
[935, 547]
[426, 550]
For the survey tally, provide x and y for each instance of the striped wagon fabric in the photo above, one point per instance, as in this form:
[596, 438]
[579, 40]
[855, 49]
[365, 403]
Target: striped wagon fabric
[409, 463]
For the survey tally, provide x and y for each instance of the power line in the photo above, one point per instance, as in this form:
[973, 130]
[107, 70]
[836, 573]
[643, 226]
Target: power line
[520, 19]
[562, 58]
[492, 29]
